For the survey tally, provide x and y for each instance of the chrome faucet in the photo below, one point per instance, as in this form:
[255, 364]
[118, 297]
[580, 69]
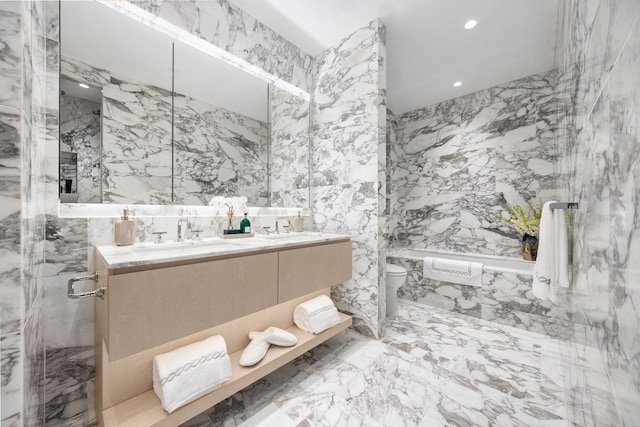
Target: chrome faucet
[183, 228]
[286, 227]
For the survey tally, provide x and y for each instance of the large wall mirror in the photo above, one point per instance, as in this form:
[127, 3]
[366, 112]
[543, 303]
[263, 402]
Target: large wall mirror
[146, 119]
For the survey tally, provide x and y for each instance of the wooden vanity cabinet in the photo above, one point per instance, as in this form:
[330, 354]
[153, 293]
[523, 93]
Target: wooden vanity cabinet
[304, 270]
[152, 309]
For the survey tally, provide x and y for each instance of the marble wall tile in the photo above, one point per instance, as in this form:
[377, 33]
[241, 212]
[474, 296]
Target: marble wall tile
[11, 57]
[218, 152]
[458, 163]
[11, 348]
[70, 386]
[11, 134]
[80, 133]
[345, 125]
[231, 29]
[289, 149]
[34, 365]
[10, 270]
[601, 169]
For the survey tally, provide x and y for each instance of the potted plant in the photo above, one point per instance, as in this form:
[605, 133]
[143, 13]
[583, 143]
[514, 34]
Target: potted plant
[528, 225]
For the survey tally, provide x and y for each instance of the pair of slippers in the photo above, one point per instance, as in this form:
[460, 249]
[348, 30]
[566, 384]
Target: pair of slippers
[261, 341]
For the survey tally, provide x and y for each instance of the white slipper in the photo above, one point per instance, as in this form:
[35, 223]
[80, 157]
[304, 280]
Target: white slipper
[275, 336]
[254, 352]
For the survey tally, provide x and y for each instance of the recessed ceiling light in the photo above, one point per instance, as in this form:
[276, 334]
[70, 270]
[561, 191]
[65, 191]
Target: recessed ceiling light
[457, 84]
[470, 24]
[84, 86]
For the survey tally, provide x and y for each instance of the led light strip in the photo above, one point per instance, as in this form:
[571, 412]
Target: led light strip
[151, 20]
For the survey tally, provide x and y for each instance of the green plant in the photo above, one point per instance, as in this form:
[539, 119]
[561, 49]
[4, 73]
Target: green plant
[522, 221]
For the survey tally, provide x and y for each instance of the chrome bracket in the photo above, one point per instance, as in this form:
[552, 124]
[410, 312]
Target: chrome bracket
[71, 293]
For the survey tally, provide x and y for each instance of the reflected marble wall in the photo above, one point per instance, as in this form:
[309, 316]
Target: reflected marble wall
[457, 163]
[345, 126]
[224, 25]
[600, 169]
[289, 149]
[80, 133]
[218, 152]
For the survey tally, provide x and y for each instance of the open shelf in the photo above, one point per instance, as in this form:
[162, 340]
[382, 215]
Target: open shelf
[145, 409]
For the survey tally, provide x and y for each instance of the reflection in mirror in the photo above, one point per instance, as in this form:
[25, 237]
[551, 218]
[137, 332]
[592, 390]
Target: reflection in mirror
[221, 130]
[80, 142]
[170, 131]
[289, 149]
[131, 64]
[68, 176]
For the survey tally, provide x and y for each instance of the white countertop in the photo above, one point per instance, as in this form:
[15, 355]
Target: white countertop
[151, 253]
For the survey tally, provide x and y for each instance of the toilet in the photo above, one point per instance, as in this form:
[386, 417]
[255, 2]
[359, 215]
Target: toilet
[396, 276]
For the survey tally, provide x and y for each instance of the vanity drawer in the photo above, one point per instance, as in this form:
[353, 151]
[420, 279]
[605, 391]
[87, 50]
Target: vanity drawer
[305, 270]
[153, 307]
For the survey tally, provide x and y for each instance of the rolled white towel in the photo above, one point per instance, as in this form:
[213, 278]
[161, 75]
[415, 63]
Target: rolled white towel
[316, 315]
[184, 374]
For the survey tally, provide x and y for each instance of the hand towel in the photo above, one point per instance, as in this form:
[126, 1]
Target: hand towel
[552, 264]
[316, 315]
[183, 375]
[454, 271]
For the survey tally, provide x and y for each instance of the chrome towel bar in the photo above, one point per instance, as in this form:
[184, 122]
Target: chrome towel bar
[566, 206]
[99, 293]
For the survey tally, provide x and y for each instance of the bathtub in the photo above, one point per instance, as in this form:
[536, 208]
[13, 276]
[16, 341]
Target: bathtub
[505, 295]
[490, 262]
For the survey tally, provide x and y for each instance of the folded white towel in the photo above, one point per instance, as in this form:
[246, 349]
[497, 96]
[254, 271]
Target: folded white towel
[552, 263]
[454, 271]
[183, 375]
[316, 315]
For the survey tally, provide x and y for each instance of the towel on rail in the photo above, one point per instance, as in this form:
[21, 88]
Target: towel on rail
[552, 263]
[453, 271]
[187, 373]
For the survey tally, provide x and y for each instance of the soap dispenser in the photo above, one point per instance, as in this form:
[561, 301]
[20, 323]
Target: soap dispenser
[125, 230]
[245, 225]
[298, 223]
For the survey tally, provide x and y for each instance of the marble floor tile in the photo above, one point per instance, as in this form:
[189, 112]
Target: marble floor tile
[432, 368]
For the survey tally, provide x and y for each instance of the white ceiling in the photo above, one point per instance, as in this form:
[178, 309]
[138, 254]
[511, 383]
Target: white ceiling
[104, 38]
[428, 48]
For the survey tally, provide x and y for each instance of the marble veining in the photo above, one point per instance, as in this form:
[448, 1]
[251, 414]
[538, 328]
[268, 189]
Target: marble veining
[345, 126]
[231, 29]
[289, 149]
[458, 163]
[217, 152]
[600, 169]
[433, 368]
[80, 134]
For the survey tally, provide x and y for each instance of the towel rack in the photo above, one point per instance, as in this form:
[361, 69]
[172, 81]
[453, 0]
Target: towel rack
[567, 206]
[98, 293]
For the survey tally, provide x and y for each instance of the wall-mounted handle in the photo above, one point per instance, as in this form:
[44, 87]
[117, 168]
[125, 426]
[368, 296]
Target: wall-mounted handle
[71, 293]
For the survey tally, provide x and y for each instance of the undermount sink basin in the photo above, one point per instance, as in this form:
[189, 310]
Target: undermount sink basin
[284, 236]
[178, 246]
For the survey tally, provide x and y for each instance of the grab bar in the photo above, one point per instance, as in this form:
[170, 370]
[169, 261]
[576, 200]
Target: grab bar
[99, 293]
[567, 206]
